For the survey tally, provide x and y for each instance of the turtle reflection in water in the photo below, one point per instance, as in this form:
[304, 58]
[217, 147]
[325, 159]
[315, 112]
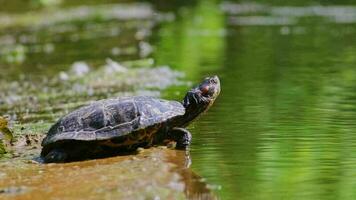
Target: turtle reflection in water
[108, 127]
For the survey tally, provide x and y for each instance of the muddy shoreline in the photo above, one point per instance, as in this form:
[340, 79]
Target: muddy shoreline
[153, 173]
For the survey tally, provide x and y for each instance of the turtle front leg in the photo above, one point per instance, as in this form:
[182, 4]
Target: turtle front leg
[182, 136]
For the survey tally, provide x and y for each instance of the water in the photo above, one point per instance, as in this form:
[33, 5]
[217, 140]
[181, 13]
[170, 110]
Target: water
[283, 126]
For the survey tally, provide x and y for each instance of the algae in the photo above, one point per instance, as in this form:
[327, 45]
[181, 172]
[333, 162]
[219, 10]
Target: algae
[4, 129]
[6, 136]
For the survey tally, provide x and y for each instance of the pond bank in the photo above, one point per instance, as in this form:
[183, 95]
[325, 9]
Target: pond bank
[155, 173]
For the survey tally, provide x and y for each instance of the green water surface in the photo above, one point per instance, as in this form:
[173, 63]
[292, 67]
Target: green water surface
[284, 125]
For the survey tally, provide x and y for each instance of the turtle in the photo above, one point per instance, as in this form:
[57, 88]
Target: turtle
[109, 127]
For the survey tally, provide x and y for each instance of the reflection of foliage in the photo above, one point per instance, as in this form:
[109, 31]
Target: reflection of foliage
[302, 2]
[46, 3]
[291, 116]
[195, 38]
[283, 126]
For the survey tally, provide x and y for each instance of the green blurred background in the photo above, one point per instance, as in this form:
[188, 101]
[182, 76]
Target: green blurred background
[284, 126]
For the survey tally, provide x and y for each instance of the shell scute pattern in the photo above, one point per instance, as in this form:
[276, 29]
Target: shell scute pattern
[116, 113]
[157, 110]
[92, 120]
[107, 119]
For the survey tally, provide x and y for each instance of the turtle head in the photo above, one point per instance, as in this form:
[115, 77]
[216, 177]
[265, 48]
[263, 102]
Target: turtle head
[200, 98]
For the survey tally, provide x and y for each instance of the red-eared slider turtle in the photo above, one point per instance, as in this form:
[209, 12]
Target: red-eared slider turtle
[108, 127]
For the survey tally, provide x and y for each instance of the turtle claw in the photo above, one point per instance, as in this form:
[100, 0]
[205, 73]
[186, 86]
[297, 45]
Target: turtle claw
[182, 146]
[183, 138]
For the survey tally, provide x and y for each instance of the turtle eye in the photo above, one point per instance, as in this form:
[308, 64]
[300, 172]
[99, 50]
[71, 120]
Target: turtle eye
[205, 90]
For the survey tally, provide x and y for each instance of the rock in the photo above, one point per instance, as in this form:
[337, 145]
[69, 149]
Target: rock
[153, 173]
[112, 67]
[80, 68]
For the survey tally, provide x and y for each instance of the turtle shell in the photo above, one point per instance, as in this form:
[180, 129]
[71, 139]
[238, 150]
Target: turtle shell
[112, 118]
